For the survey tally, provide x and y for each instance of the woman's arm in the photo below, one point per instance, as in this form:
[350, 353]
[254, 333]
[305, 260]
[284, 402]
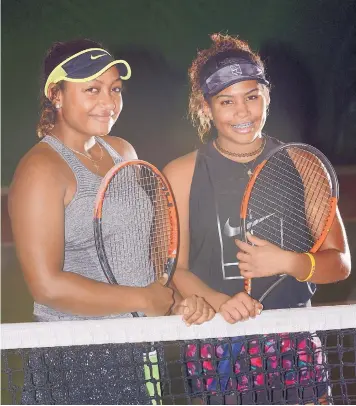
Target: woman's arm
[37, 216]
[241, 306]
[179, 174]
[333, 260]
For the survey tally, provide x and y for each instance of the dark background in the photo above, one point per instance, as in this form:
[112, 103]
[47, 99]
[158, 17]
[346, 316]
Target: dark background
[309, 47]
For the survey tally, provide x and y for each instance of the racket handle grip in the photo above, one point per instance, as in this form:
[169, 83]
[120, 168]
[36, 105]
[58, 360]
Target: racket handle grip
[248, 286]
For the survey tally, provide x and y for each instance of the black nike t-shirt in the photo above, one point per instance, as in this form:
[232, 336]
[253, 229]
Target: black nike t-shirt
[216, 192]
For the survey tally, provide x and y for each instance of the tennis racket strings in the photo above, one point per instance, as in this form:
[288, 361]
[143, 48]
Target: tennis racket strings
[135, 231]
[292, 199]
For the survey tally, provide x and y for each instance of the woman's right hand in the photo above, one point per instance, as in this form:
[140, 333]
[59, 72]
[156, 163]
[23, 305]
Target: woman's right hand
[159, 298]
[195, 310]
[240, 307]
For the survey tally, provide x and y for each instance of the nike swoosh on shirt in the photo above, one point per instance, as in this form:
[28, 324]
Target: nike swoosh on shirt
[230, 231]
[96, 56]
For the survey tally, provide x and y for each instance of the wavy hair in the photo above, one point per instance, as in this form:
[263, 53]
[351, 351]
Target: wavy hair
[220, 43]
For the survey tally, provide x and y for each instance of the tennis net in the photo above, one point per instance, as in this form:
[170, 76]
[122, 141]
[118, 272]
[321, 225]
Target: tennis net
[289, 356]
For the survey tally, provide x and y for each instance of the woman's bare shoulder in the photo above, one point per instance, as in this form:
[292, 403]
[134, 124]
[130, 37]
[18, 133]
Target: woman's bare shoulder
[181, 167]
[41, 164]
[123, 147]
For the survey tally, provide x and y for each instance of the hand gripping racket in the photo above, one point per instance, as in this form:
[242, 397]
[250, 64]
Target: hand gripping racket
[135, 225]
[291, 200]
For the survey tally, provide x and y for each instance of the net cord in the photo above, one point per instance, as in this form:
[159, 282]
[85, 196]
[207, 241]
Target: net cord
[172, 328]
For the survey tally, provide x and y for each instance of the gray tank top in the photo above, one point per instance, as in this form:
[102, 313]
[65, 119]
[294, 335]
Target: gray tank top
[80, 254]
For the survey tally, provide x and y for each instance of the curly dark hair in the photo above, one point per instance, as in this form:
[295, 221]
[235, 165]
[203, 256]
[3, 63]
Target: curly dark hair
[57, 53]
[220, 44]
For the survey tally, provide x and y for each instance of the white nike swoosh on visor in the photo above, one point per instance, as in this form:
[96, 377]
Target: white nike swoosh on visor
[230, 231]
[96, 56]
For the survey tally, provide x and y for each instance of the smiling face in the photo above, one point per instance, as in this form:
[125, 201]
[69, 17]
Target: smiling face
[91, 108]
[239, 111]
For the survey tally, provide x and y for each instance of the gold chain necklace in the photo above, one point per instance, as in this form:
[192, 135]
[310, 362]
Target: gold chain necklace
[250, 170]
[243, 154]
[95, 162]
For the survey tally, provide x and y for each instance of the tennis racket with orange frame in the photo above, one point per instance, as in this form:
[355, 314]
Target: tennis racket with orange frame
[145, 240]
[295, 192]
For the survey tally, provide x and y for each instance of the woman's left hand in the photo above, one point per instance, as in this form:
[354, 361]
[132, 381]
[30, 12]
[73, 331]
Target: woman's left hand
[262, 258]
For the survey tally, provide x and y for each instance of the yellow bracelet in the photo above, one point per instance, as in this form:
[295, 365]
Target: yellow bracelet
[312, 269]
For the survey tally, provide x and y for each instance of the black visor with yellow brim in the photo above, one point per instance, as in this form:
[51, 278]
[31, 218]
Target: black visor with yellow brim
[85, 66]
